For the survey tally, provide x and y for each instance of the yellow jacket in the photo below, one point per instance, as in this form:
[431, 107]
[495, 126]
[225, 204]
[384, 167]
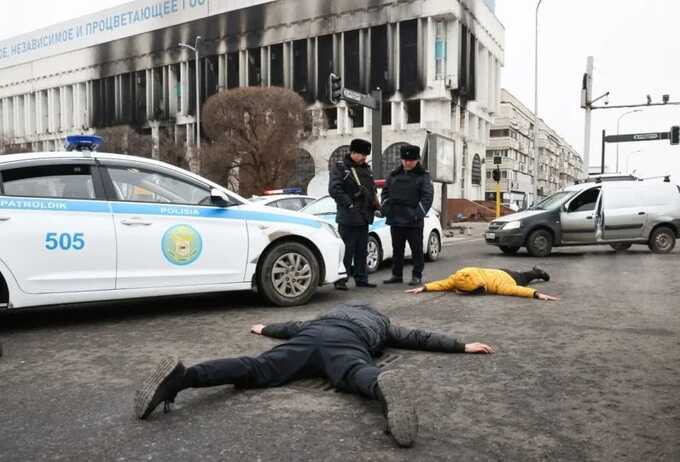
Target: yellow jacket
[493, 281]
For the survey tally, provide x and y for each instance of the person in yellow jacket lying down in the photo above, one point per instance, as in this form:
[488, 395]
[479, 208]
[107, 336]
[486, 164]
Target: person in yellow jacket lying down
[489, 281]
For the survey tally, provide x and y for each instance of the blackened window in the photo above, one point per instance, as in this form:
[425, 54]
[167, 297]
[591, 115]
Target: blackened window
[356, 113]
[467, 72]
[276, 65]
[300, 83]
[126, 96]
[413, 111]
[254, 67]
[408, 56]
[352, 58]
[325, 63]
[331, 115]
[378, 76]
[209, 79]
[499, 132]
[191, 85]
[109, 100]
[232, 70]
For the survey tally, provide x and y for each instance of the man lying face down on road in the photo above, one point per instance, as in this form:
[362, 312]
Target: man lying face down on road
[479, 281]
[339, 345]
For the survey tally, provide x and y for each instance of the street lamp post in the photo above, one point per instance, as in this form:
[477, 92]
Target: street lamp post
[536, 105]
[198, 90]
[617, 132]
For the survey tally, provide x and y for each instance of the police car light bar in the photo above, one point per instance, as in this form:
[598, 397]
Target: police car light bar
[82, 142]
[271, 192]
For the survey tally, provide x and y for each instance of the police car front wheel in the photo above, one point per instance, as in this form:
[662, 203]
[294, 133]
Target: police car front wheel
[289, 274]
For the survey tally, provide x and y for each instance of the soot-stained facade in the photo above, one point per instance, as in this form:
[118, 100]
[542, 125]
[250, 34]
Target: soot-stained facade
[437, 62]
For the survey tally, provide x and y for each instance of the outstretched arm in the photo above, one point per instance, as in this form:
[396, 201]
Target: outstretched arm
[282, 330]
[416, 339]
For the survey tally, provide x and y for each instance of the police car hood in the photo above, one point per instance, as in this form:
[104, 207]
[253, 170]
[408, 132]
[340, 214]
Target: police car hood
[273, 212]
[518, 216]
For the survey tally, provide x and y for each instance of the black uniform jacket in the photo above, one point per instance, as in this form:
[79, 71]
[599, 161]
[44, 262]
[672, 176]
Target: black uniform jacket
[356, 203]
[407, 196]
[375, 328]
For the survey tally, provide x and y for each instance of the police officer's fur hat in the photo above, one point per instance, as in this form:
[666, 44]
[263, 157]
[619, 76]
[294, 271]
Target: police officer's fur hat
[410, 152]
[360, 146]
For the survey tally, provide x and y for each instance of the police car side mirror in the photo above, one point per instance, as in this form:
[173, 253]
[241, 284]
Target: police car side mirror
[218, 198]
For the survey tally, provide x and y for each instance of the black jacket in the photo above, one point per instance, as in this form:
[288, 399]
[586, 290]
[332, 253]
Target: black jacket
[407, 196]
[375, 328]
[356, 203]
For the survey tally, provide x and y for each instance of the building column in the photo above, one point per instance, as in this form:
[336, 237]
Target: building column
[184, 87]
[221, 72]
[18, 115]
[149, 90]
[243, 68]
[429, 52]
[287, 64]
[29, 114]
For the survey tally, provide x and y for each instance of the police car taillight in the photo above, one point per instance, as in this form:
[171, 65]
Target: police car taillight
[82, 142]
[271, 192]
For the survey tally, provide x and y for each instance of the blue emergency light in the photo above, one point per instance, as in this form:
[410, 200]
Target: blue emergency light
[82, 142]
[271, 192]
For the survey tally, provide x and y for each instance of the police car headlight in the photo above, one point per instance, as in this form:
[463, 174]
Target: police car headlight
[331, 229]
[512, 225]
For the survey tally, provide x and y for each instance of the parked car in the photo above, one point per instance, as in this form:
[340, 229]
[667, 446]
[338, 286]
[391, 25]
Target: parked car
[87, 226]
[618, 213]
[379, 236]
[287, 198]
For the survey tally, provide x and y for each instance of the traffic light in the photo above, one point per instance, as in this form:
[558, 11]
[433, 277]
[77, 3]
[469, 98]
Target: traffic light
[334, 88]
[675, 134]
[496, 174]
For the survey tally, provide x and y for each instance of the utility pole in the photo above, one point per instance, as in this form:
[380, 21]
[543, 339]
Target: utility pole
[586, 95]
[536, 120]
[198, 89]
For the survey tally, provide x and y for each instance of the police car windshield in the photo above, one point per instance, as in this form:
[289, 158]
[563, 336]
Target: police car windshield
[553, 201]
[324, 206]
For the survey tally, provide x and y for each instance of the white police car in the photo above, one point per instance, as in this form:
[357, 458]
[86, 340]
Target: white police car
[286, 198]
[86, 226]
[379, 235]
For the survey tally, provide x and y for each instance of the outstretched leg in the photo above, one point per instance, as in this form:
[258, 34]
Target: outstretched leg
[275, 367]
[524, 278]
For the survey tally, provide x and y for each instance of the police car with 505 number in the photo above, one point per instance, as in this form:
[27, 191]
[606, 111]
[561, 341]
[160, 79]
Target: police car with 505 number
[83, 226]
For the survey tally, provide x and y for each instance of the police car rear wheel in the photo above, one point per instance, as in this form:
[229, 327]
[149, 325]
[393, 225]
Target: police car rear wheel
[434, 246]
[374, 255]
[289, 274]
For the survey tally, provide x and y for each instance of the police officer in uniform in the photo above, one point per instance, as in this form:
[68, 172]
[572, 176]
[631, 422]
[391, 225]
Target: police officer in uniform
[406, 199]
[353, 188]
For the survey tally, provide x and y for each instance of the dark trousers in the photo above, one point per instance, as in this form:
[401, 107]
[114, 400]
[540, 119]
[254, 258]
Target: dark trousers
[330, 349]
[523, 278]
[356, 250]
[414, 237]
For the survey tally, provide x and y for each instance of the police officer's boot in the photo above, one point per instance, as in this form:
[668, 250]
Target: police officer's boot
[161, 386]
[416, 281]
[394, 280]
[399, 408]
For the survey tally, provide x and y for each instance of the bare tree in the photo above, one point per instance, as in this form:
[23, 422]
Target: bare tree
[124, 139]
[257, 130]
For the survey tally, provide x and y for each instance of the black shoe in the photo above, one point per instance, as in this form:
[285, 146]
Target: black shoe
[394, 280]
[341, 285]
[400, 410]
[161, 386]
[416, 281]
[541, 274]
[365, 284]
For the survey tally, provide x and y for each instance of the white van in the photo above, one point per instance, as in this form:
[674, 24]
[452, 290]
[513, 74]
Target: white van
[618, 213]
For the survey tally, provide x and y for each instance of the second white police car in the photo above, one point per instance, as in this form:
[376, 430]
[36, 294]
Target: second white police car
[87, 226]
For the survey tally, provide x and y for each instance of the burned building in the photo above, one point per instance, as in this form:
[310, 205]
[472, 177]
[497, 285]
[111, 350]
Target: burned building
[437, 62]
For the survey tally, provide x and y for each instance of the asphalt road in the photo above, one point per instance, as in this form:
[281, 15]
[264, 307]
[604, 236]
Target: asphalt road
[595, 376]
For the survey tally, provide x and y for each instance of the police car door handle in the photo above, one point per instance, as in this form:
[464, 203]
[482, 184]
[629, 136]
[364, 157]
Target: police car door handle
[135, 221]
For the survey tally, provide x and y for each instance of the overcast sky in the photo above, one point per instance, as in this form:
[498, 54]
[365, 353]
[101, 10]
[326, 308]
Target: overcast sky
[635, 43]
